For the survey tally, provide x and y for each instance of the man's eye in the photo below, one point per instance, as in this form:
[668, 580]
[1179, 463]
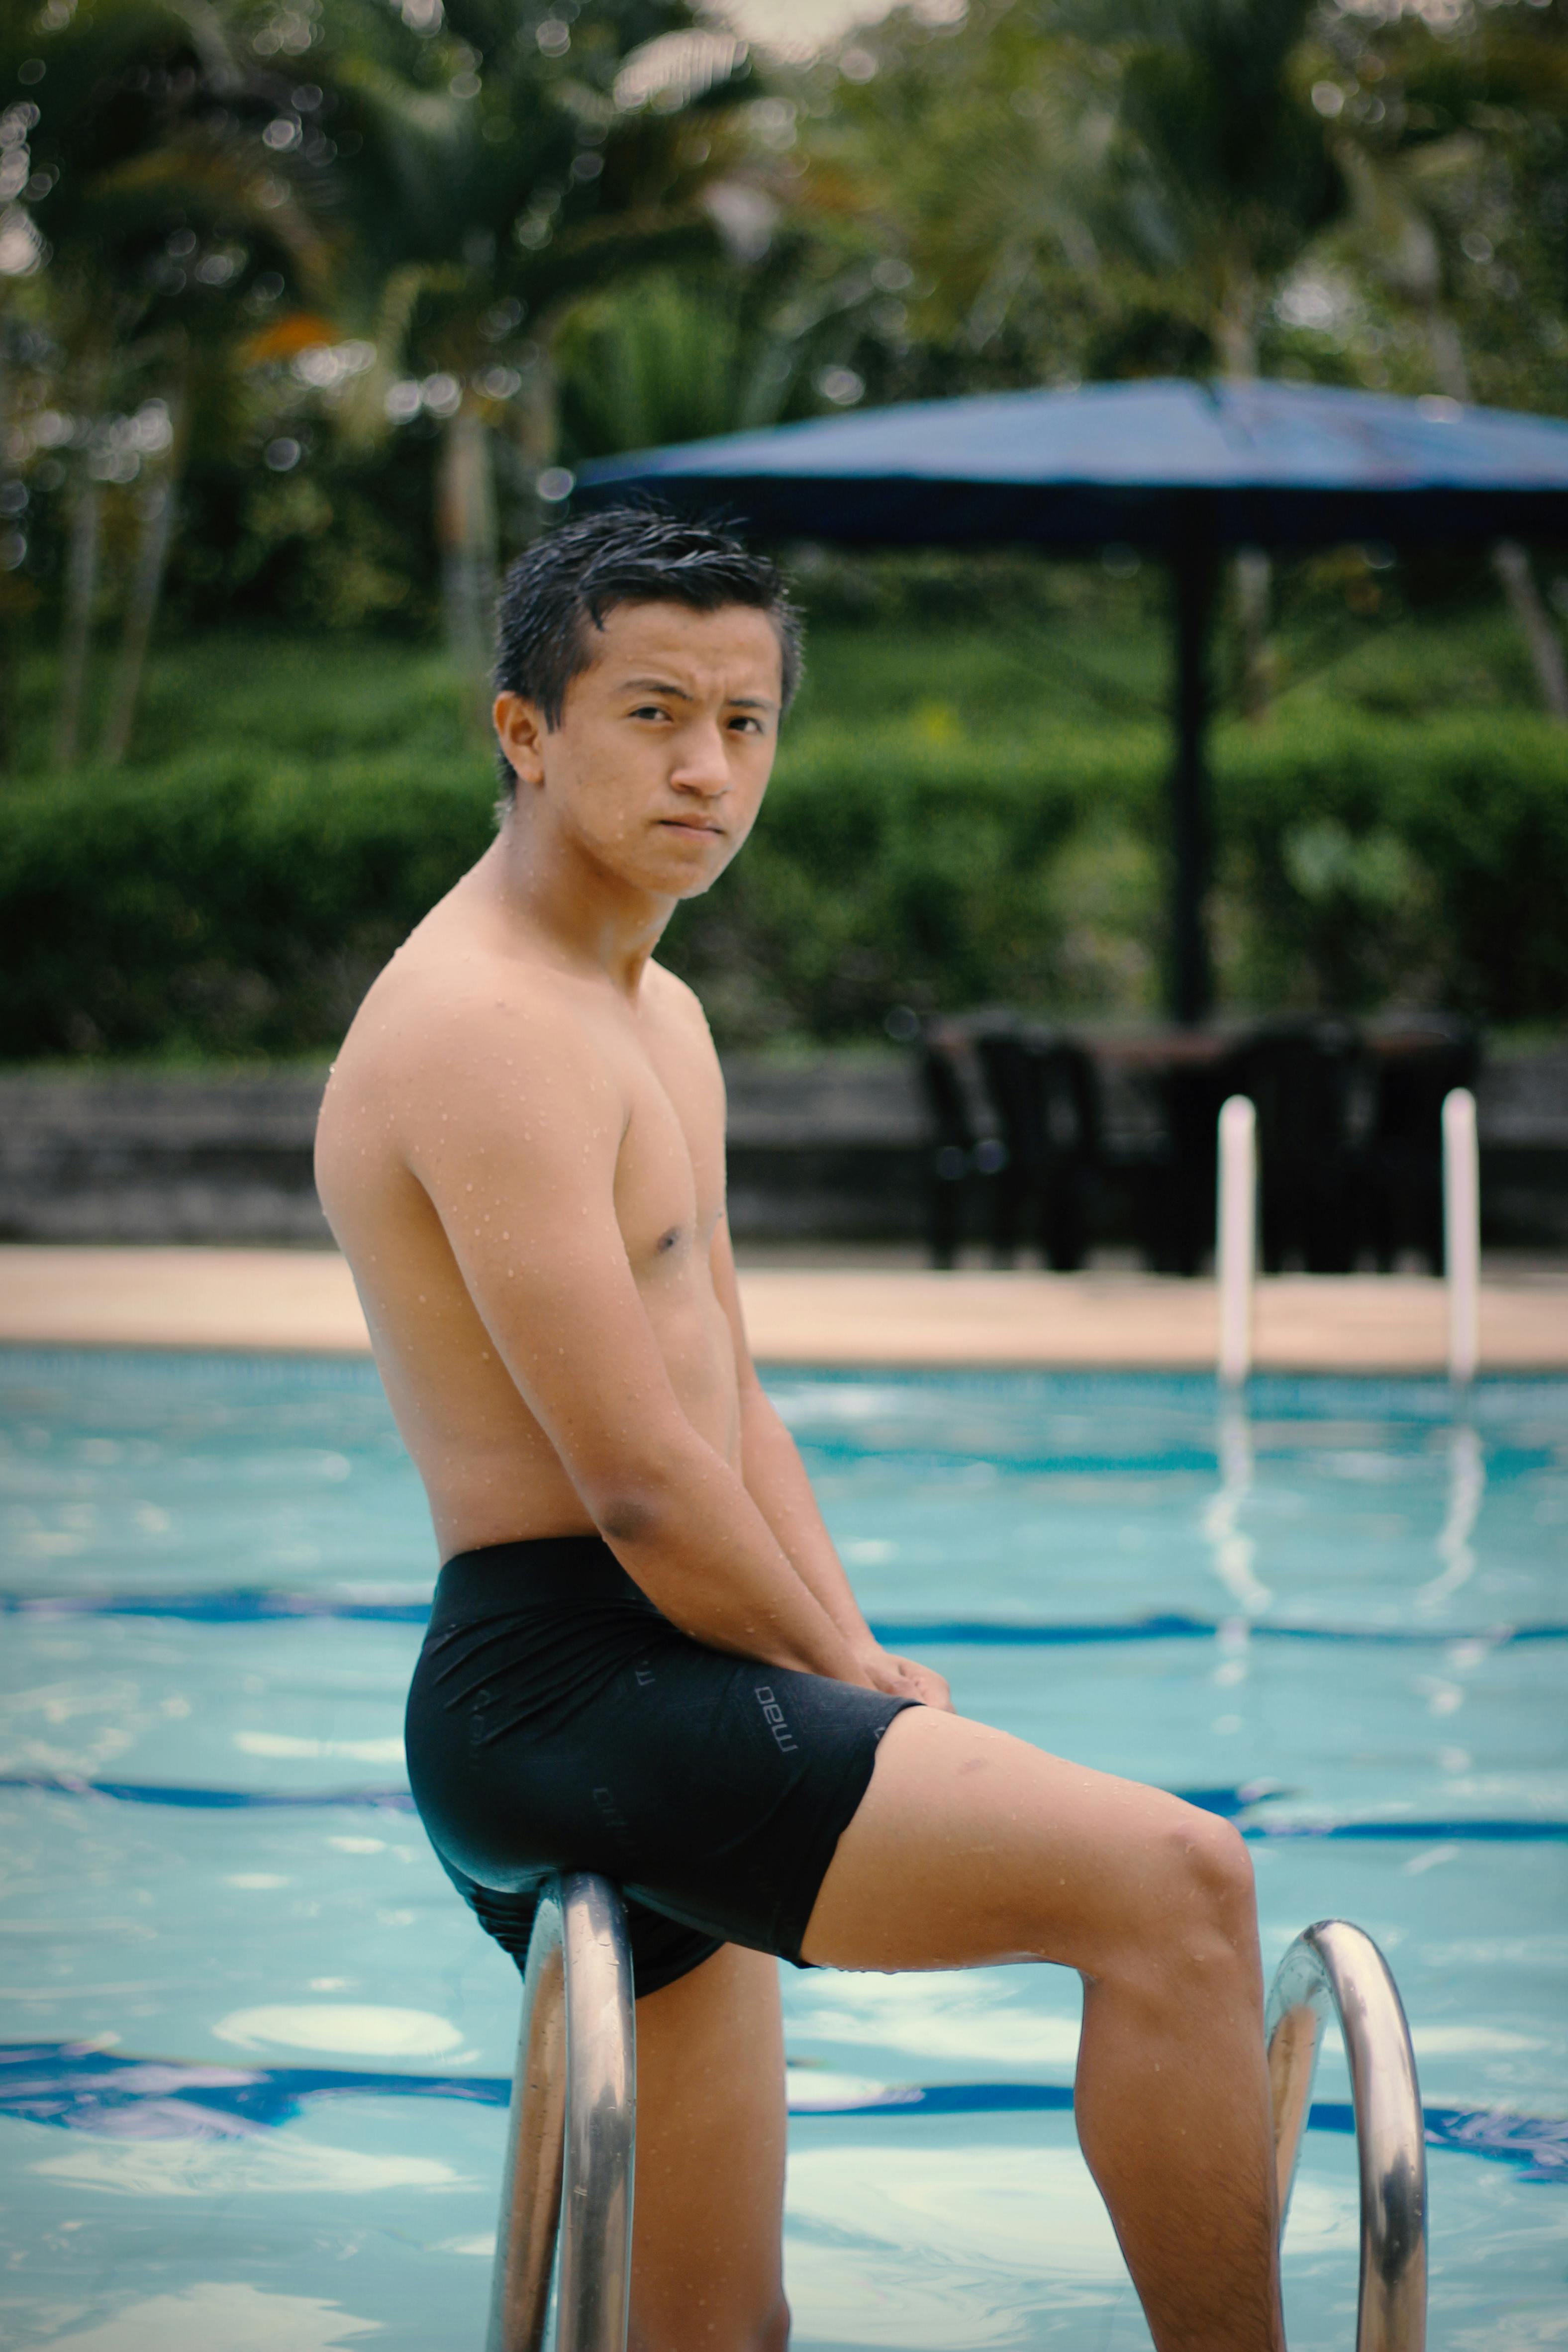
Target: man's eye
[748, 725]
[649, 711]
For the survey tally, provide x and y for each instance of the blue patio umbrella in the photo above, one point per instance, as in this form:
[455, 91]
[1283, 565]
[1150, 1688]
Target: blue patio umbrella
[1182, 469]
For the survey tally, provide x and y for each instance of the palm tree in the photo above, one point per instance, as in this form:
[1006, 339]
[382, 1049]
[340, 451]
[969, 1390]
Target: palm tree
[495, 178]
[1422, 153]
[1062, 171]
[1217, 174]
[13, 597]
[1216, 179]
[957, 156]
[678, 354]
[150, 205]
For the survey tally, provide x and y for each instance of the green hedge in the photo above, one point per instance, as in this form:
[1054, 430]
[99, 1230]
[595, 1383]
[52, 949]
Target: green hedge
[1376, 857]
[232, 905]
[241, 903]
[902, 870]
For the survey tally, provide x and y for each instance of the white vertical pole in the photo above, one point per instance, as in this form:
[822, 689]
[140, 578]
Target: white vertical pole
[1462, 1230]
[1236, 1240]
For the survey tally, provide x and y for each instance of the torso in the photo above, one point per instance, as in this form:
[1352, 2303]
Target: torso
[489, 1469]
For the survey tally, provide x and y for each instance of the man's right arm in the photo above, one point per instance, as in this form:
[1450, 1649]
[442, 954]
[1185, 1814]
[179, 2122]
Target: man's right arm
[514, 1134]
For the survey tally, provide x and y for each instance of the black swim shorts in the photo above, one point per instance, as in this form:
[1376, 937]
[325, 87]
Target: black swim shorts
[557, 1721]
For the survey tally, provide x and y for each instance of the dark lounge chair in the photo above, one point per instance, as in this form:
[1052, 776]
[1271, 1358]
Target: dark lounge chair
[1046, 1101]
[963, 1163]
[1305, 1082]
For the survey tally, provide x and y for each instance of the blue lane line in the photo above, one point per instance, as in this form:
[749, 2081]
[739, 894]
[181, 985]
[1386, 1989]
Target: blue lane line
[79, 2088]
[1177, 1626]
[1464, 1832]
[884, 1440]
[210, 1800]
[242, 1607]
[1231, 1802]
[251, 1606]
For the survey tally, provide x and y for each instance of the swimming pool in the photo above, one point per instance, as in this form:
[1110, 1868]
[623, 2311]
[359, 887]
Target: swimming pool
[251, 2095]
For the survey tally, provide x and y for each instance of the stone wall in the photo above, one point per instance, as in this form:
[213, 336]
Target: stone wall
[830, 1147]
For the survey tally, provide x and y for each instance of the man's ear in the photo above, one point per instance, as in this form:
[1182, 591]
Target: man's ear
[521, 729]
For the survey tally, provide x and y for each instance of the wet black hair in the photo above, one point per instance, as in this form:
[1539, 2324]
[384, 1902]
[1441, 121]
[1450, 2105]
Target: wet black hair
[566, 583]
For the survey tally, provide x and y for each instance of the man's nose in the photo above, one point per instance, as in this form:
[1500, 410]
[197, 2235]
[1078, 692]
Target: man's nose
[701, 766]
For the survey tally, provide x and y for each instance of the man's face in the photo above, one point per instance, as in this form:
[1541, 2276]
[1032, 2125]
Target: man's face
[666, 742]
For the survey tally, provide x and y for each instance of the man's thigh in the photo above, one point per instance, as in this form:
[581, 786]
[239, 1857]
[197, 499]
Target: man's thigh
[970, 1846]
[708, 2208]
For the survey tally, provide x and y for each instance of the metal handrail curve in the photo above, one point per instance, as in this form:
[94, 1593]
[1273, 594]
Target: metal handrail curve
[572, 2136]
[572, 2130]
[1336, 1965]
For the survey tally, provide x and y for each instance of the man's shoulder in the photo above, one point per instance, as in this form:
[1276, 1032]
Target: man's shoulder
[679, 1004]
[434, 1018]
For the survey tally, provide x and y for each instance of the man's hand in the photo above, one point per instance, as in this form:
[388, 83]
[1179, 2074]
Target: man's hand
[904, 1678]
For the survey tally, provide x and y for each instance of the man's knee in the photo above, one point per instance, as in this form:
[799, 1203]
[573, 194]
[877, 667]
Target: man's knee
[1193, 1907]
[1209, 1871]
[1222, 1867]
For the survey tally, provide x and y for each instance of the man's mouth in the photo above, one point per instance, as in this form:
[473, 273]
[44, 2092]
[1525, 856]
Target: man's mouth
[691, 824]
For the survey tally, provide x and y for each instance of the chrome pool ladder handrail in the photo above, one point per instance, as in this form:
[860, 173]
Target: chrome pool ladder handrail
[572, 2134]
[1337, 1966]
[572, 2130]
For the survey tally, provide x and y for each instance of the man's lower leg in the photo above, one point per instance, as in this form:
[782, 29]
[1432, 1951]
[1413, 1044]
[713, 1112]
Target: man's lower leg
[1174, 2118]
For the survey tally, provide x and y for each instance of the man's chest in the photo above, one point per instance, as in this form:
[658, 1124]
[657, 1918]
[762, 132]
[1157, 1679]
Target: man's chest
[670, 1174]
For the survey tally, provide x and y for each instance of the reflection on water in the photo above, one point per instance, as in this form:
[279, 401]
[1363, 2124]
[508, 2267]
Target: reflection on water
[210, 2314]
[1467, 1491]
[241, 2167]
[1233, 1548]
[922, 2248]
[996, 2018]
[1233, 1551]
[344, 2028]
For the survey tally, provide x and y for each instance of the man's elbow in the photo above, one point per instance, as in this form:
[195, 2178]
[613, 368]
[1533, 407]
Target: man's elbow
[629, 1517]
[638, 1504]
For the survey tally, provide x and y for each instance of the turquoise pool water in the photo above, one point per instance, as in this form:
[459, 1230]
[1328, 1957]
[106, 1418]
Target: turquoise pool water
[252, 2081]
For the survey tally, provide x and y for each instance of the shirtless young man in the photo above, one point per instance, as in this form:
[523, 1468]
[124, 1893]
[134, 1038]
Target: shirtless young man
[644, 1657]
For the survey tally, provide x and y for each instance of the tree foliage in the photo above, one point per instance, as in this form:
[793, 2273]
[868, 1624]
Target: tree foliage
[309, 308]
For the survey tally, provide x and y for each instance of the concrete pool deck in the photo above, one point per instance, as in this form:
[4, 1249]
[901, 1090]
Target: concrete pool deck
[303, 1301]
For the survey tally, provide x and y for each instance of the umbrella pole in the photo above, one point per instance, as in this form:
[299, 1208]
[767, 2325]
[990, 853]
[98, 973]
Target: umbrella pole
[1194, 581]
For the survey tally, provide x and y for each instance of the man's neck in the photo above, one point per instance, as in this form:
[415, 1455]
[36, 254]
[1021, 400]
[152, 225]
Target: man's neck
[547, 888]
